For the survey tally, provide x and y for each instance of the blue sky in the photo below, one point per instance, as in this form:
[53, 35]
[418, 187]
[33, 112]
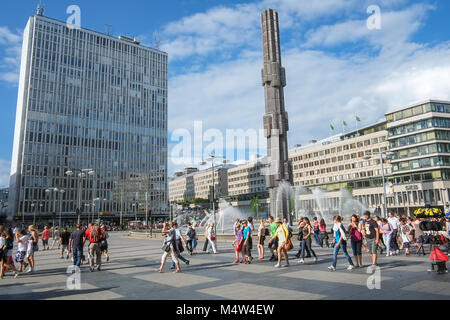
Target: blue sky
[336, 67]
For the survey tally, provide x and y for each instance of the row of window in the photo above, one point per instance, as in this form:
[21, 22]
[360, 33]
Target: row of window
[47, 29]
[420, 125]
[420, 137]
[346, 147]
[418, 110]
[421, 163]
[422, 150]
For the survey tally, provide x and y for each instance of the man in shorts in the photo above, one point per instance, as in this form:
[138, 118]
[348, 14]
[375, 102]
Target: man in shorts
[371, 234]
[64, 243]
[273, 245]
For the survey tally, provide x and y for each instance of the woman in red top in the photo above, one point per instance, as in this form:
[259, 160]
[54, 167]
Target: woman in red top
[45, 237]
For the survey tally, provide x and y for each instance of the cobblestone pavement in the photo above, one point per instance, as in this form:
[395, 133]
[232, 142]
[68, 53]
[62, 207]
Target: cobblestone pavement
[131, 275]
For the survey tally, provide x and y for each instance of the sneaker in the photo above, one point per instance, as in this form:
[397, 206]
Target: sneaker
[99, 269]
[277, 266]
[187, 262]
[30, 270]
[16, 275]
[285, 265]
[91, 269]
[62, 257]
[350, 267]
[331, 268]
[272, 258]
[316, 259]
[301, 261]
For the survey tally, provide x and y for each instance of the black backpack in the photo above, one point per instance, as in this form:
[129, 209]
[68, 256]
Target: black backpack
[191, 233]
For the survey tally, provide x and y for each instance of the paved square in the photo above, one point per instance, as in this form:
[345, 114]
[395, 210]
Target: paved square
[131, 275]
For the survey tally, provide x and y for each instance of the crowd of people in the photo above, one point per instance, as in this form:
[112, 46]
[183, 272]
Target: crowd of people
[69, 244]
[363, 234]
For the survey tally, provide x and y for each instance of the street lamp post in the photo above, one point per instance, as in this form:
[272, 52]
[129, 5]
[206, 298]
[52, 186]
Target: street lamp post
[33, 205]
[388, 157]
[81, 174]
[212, 158]
[54, 192]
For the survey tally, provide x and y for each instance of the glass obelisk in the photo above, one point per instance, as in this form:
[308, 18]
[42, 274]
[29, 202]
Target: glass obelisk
[276, 118]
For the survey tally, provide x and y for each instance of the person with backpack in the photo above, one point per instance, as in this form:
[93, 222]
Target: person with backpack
[356, 239]
[190, 236]
[94, 235]
[340, 242]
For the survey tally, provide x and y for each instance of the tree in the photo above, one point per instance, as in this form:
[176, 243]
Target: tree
[255, 206]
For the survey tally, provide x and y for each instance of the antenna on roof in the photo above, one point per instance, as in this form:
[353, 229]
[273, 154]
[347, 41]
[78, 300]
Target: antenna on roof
[156, 40]
[40, 9]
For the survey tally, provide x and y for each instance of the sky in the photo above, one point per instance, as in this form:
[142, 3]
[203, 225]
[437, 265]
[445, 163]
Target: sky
[336, 67]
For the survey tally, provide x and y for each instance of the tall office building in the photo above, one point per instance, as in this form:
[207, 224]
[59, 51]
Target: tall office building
[88, 101]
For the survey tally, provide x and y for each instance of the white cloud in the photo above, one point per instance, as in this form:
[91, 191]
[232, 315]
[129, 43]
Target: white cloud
[5, 169]
[322, 87]
[10, 50]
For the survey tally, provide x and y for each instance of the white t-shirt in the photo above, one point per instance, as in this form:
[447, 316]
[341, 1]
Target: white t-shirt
[22, 245]
[395, 223]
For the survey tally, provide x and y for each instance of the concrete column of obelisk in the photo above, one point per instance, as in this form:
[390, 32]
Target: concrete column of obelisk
[276, 118]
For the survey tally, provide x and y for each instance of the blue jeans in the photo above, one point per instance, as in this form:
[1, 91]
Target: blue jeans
[343, 245]
[308, 253]
[394, 240]
[316, 237]
[77, 255]
[387, 242]
[194, 244]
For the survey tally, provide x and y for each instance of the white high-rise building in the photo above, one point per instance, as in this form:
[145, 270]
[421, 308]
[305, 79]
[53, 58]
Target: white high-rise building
[88, 103]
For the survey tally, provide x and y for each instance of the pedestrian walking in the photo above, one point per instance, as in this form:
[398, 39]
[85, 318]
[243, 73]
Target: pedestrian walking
[261, 238]
[323, 234]
[7, 251]
[316, 228]
[94, 235]
[195, 239]
[395, 224]
[64, 243]
[356, 239]
[371, 234]
[56, 237]
[340, 242]
[76, 245]
[181, 243]
[170, 247]
[45, 237]
[386, 231]
[104, 242]
[419, 235]
[282, 234]
[247, 245]
[239, 242]
[211, 238]
[405, 235]
[307, 231]
[273, 244]
[22, 246]
[301, 225]
[190, 236]
[33, 246]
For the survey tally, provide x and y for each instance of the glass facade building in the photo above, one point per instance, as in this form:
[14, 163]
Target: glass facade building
[89, 101]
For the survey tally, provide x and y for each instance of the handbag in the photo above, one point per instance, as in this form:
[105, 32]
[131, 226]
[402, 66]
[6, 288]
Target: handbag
[288, 245]
[166, 247]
